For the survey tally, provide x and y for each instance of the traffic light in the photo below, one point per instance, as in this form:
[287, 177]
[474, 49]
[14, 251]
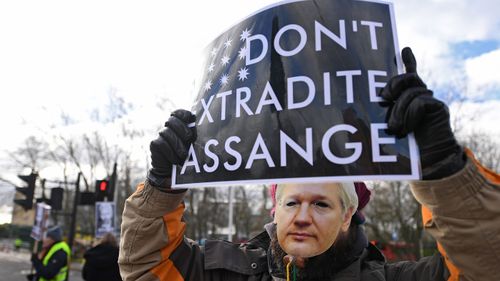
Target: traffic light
[27, 191]
[56, 198]
[87, 198]
[102, 190]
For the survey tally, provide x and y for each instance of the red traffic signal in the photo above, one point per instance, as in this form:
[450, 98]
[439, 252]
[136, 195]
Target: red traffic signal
[103, 185]
[102, 190]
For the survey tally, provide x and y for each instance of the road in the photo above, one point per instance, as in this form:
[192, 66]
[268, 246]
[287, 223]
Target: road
[15, 265]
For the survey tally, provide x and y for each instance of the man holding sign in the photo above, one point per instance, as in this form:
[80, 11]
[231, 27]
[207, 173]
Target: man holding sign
[315, 233]
[51, 264]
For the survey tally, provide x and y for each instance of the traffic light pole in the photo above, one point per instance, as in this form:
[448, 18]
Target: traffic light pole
[71, 236]
[112, 184]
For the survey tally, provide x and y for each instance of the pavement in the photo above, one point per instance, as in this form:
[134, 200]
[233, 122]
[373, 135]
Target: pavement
[15, 265]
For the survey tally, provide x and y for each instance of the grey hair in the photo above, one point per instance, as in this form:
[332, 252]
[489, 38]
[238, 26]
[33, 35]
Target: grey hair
[347, 192]
[348, 196]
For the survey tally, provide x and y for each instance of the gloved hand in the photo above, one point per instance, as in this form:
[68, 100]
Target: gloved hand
[413, 109]
[30, 277]
[171, 146]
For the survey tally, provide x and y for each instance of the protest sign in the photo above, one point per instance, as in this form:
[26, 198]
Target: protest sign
[104, 218]
[41, 220]
[289, 94]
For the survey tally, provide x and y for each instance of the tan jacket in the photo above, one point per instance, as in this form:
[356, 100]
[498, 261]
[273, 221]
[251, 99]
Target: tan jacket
[466, 222]
[466, 219]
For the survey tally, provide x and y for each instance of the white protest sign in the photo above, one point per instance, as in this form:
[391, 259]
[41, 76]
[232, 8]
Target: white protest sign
[41, 219]
[104, 218]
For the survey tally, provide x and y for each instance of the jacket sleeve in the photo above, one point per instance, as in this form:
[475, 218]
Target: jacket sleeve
[152, 233]
[465, 219]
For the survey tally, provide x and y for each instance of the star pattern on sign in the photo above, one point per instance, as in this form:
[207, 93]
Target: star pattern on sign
[224, 79]
[211, 67]
[242, 53]
[243, 74]
[208, 85]
[245, 34]
[225, 60]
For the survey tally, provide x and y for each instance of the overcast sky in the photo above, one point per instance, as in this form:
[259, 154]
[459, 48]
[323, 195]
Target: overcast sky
[66, 55]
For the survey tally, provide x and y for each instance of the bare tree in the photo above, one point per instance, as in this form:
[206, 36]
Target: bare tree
[202, 206]
[31, 153]
[89, 152]
[243, 214]
[394, 214]
[207, 212]
[485, 148]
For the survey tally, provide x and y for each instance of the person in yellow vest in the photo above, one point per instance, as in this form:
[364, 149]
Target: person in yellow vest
[51, 264]
[18, 243]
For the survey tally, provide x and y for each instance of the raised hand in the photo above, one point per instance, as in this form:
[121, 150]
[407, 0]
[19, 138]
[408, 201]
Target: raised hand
[171, 146]
[413, 109]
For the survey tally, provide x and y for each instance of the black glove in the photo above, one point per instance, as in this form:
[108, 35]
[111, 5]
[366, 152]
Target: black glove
[412, 108]
[171, 146]
[30, 277]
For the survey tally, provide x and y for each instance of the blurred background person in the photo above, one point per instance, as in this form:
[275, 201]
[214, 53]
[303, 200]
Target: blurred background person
[101, 261]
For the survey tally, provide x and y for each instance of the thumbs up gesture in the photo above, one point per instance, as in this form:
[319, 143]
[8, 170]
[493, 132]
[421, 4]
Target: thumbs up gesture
[413, 109]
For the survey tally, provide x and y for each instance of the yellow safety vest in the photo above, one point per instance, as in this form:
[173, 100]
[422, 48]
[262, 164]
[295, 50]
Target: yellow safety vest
[63, 272]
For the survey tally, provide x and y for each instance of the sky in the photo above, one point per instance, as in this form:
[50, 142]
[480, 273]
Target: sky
[68, 55]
